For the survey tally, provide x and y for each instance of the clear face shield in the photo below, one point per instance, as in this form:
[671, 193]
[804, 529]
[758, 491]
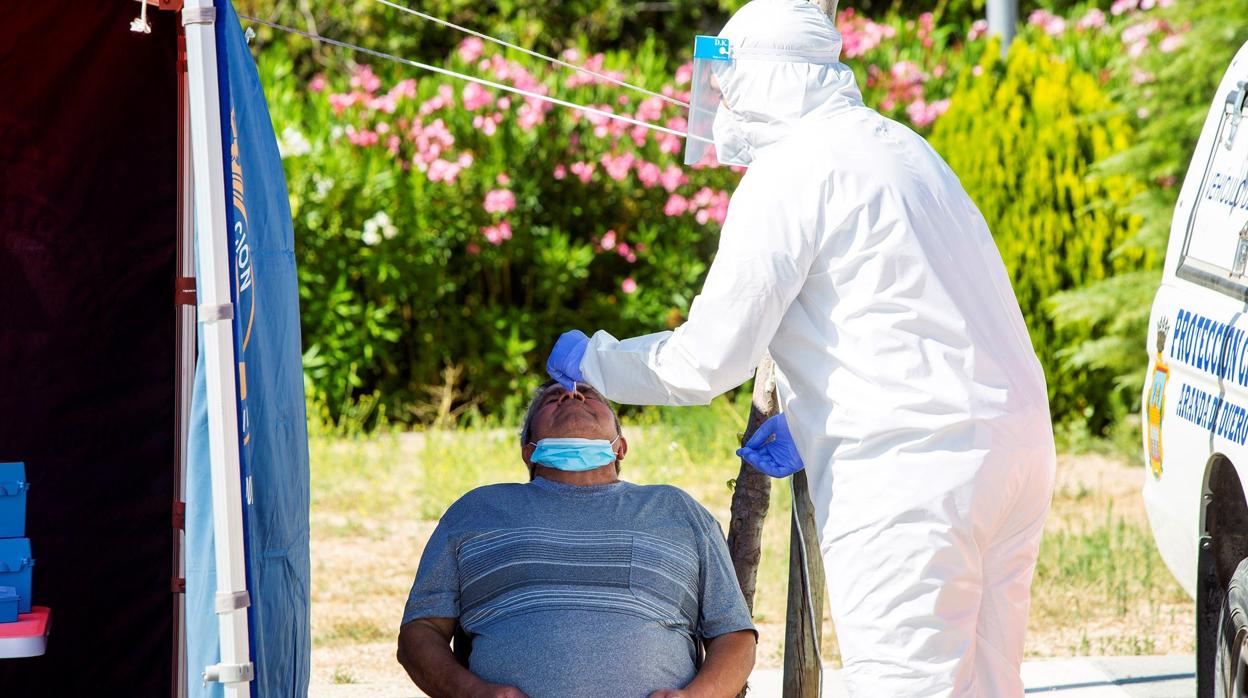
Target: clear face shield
[709, 53]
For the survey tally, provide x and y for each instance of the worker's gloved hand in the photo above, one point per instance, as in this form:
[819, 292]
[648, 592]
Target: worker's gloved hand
[777, 456]
[564, 364]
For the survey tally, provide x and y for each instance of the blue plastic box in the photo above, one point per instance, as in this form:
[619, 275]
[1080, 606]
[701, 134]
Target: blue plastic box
[9, 600]
[13, 488]
[15, 568]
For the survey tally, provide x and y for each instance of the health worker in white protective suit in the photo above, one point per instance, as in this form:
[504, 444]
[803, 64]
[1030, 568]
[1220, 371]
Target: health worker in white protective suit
[906, 378]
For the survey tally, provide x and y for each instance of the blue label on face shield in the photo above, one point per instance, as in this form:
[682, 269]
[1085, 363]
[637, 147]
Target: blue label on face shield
[711, 48]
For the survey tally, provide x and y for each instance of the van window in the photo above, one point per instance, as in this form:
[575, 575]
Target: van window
[1215, 251]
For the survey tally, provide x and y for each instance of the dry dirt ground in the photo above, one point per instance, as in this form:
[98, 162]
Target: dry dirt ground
[1100, 588]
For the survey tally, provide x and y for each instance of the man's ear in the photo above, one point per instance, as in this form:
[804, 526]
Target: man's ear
[621, 448]
[526, 452]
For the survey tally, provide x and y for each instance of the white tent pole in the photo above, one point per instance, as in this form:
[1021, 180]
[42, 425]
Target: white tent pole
[215, 317]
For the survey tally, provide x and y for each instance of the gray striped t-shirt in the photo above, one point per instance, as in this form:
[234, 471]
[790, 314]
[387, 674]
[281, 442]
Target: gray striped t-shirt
[580, 591]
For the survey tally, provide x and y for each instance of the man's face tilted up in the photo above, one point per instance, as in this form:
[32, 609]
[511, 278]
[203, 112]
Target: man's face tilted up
[558, 414]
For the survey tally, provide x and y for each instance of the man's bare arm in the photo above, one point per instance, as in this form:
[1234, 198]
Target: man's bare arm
[729, 660]
[425, 653]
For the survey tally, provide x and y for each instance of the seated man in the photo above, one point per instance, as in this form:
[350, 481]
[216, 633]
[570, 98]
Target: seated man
[576, 583]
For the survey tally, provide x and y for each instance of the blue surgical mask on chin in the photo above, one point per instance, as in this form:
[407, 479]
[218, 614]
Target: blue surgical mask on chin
[574, 455]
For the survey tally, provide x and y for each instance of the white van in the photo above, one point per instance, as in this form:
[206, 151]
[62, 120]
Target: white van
[1195, 402]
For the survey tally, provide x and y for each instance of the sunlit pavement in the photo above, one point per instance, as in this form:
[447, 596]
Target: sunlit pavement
[1094, 677]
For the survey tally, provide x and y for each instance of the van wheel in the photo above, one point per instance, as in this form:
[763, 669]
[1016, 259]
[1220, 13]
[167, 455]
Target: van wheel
[1230, 671]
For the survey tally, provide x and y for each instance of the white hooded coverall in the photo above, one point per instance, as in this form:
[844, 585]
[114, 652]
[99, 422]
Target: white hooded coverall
[910, 385]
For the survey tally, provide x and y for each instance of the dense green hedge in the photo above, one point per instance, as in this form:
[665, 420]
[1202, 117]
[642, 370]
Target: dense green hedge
[1022, 136]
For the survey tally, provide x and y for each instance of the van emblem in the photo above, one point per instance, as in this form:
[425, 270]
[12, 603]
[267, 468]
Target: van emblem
[1157, 399]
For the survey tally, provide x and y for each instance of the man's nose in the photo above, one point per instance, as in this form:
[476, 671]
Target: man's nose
[578, 395]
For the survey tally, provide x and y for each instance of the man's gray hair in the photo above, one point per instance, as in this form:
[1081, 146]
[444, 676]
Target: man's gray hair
[536, 402]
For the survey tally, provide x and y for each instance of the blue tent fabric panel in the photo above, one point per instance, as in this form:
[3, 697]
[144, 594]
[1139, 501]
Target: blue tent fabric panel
[269, 383]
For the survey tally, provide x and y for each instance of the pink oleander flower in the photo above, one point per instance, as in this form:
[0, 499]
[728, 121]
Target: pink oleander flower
[441, 170]
[608, 241]
[403, 89]
[639, 135]
[497, 234]
[470, 49]
[1171, 43]
[340, 101]
[1140, 77]
[363, 138]
[648, 174]
[628, 285]
[923, 114]
[672, 178]
[362, 78]
[386, 103]
[499, 201]
[649, 109]
[626, 252]
[617, 167]
[485, 125]
[317, 83]
[473, 248]
[1140, 31]
[978, 28]
[676, 205]
[860, 35]
[476, 97]
[560, 172]
[502, 179]
[684, 74]
[718, 209]
[583, 171]
[1123, 6]
[1092, 19]
[530, 117]
[1052, 24]
[670, 144]
[595, 63]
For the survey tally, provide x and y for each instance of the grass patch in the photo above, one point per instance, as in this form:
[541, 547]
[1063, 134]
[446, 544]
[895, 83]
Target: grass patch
[355, 632]
[342, 676]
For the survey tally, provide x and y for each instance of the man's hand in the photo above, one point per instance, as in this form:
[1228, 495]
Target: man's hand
[494, 690]
[426, 655]
[729, 660]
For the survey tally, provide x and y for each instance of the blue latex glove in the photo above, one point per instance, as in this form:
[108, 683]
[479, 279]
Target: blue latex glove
[564, 364]
[776, 457]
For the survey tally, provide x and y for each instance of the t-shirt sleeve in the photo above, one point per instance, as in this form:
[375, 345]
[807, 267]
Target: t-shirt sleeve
[435, 591]
[723, 608]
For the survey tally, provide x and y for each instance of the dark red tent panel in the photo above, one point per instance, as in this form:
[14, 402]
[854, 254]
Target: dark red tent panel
[88, 231]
